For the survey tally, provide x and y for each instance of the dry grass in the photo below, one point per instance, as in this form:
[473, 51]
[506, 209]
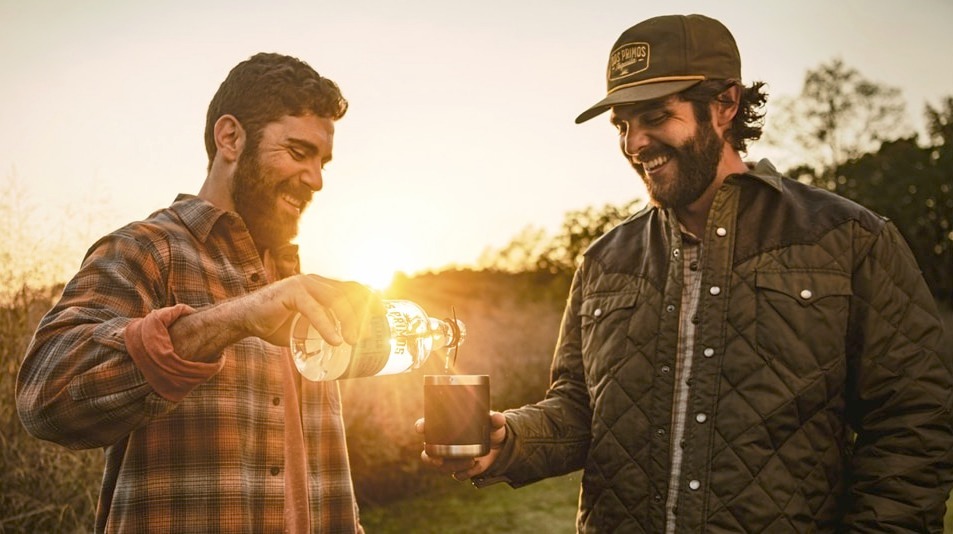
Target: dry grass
[43, 487]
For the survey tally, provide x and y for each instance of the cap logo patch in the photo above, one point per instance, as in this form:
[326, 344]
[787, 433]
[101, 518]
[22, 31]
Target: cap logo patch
[628, 59]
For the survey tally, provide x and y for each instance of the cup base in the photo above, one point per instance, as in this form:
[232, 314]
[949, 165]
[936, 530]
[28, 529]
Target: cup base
[456, 451]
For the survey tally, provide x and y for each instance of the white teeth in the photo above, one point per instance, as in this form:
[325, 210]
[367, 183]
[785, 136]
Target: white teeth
[292, 200]
[655, 163]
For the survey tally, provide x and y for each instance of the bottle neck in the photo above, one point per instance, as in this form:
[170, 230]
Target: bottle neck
[448, 335]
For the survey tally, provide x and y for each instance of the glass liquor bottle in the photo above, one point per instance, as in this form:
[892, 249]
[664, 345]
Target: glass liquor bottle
[399, 340]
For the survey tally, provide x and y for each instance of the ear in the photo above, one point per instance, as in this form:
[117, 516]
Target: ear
[229, 138]
[725, 107]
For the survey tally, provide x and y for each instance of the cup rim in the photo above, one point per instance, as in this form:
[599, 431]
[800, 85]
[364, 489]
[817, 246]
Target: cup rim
[456, 380]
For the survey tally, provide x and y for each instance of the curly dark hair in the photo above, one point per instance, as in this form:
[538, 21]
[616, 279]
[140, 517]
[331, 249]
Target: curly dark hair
[748, 122]
[266, 87]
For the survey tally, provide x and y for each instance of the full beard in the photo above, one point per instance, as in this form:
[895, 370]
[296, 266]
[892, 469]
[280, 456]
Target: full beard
[256, 200]
[697, 161]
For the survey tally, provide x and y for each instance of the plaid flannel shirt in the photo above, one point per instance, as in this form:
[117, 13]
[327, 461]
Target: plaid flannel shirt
[213, 461]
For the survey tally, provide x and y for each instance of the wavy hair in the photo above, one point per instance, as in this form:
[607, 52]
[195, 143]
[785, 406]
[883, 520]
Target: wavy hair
[266, 87]
[748, 122]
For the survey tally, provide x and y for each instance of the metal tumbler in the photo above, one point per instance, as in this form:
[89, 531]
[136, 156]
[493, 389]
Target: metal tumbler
[457, 415]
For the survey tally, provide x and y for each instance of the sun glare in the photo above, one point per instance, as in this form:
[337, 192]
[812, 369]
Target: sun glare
[376, 276]
[376, 263]
[373, 264]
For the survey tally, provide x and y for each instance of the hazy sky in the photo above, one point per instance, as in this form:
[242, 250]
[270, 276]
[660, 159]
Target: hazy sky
[460, 131]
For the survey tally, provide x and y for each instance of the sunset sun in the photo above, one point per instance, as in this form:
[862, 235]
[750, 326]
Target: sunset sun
[372, 262]
[378, 276]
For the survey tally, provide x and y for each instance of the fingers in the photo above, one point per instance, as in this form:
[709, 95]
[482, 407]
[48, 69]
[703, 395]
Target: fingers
[465, 468]
[334, 310]
[321, 318]
[497, 420]
[363, 303]
[337, 309]
[461, 467]
[497, 430]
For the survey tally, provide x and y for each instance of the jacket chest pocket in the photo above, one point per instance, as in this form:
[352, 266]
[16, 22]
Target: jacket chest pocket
[604, 321]
[802, 317]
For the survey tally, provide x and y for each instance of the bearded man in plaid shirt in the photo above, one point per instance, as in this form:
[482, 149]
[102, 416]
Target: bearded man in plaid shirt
[169, 348]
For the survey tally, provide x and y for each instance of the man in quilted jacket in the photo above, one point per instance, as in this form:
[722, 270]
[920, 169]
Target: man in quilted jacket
[746, 354]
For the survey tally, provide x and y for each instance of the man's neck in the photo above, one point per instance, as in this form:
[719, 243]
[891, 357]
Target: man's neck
[217, 188]
[694, 216]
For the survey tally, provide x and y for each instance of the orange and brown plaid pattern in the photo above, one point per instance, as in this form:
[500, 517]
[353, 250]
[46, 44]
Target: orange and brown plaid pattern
[214, 461]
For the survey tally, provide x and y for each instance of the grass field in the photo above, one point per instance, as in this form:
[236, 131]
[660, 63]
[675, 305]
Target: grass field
[546, 507]
[549, 507]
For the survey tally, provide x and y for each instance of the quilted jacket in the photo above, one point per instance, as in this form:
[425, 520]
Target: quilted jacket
[816, 362]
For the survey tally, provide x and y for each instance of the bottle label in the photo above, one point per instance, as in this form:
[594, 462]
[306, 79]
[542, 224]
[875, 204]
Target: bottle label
[372, 351]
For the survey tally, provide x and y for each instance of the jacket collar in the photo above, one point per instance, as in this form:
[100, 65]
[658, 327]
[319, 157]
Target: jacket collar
[764, 171]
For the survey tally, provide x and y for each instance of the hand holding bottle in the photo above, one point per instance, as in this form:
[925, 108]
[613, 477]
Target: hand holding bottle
[270, 310]
[395, 336]
[267, 313]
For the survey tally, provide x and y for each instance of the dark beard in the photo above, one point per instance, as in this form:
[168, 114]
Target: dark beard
[255, 202]
[697, 160]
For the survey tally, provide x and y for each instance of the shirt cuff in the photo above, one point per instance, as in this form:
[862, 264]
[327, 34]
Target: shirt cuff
[150, 346]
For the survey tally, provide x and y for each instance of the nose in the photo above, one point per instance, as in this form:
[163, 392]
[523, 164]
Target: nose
[313, 177]
[632, 140]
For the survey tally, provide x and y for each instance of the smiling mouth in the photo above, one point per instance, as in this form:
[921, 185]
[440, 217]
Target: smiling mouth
[654, 163]
[295, 202]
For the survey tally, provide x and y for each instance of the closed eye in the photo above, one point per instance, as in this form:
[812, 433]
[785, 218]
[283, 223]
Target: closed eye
[300, 149]
[655, 118]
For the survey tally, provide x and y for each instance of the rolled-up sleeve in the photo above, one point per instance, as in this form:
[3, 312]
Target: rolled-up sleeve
[79, 384]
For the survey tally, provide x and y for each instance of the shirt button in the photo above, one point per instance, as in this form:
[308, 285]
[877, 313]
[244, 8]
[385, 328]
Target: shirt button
[276, 401]
[275, 471]
[657, 498]
[676, 252]
[660, 432]
[254, 277]
[693, 265]
[715, 290]
[721, 232]
[665, 369]
[598, 312]
[806, 294]
[701, 417]
[694, 485]
[709, 352]
[670, 308]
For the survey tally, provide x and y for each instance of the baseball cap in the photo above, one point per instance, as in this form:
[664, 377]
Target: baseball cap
[664, 55]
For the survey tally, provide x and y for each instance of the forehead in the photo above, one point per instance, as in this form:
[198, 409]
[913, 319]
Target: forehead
[308, 127]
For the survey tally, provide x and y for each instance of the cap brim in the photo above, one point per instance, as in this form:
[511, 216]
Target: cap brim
[638, 93]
